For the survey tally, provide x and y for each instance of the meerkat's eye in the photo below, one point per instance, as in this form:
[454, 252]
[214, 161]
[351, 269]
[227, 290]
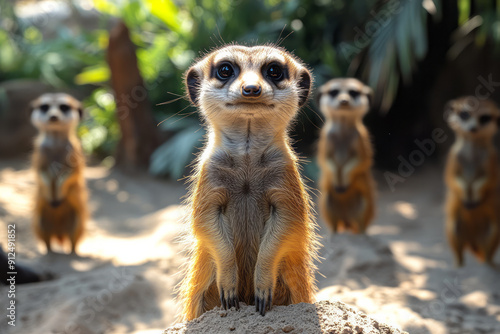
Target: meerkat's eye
[333, 92]
[485, 119]
[225, 71]
[464, 115]
[64, 108]
[354, 93]
[275, 72]
[44, 107]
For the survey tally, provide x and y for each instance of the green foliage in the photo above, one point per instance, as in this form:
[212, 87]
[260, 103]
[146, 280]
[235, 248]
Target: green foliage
[171, 157]
[99, 130]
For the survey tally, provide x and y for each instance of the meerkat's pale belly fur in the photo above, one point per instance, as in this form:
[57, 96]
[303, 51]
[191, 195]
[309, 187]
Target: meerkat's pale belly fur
[60, 205]
[472, 201]
[246, 176]
[252, 222]
[346, 182]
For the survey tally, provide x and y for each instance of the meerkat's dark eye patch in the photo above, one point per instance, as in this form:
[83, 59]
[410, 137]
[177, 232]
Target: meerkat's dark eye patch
[333, 92]
[275, 72]
[225, 71]
[464, 115]
[354, 93]
[44, 107]
[485, 119]
[64, 108]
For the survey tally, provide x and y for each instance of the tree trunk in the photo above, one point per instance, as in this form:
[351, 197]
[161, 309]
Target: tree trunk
[140, 136]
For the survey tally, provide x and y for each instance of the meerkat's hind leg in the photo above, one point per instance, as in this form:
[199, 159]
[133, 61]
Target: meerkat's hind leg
[491, 244]
[365, 214]
[196, 290]
[44, 229]
[332, 218]
[74, 228]
[46, 240]
[295, 271]
[456, 243]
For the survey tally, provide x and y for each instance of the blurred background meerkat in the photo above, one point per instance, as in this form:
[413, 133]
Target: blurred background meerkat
[251, 218]
[345, 156]
[61, 194]
[472, 178]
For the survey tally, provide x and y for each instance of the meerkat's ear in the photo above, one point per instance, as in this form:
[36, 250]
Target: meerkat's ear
[193, 80]
[368, 91]
[448, 110]
[32, 106]
[305, 81]
[317, 99]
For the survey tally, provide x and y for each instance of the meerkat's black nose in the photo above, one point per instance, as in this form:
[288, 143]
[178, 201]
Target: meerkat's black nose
[251, 90]
[473, 129]
[344, 102]
[53, 118]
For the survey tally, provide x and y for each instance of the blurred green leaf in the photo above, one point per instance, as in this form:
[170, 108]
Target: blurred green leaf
[171, 157]
[165, 10]
[463, 11]
[94, 74]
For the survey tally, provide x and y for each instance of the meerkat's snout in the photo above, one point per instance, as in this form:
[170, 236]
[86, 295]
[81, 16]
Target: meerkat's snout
[251, 87]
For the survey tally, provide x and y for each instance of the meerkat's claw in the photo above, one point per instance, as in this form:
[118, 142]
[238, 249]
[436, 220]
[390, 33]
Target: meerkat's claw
[264, 303]
[229, 301]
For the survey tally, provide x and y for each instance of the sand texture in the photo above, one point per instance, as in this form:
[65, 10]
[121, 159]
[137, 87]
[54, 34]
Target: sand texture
[321, 317]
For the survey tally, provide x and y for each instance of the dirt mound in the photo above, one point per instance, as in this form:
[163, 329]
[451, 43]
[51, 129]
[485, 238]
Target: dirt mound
[321, 317]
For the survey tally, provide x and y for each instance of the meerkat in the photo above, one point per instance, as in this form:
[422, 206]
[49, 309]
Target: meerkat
[471, 175]
[345, 156]
[58, 161]
[251, 219]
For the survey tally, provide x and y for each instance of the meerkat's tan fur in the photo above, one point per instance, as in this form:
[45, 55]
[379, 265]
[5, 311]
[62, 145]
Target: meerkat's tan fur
[61, 194]
[345, 156]
[472, 206]
[251, 217]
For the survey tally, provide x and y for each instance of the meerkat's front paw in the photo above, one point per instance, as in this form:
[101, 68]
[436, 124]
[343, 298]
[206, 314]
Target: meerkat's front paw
[228, 288]
[263, 299]
[229, 298]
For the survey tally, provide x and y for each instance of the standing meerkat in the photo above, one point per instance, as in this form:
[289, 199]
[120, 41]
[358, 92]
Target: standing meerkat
[345, 156]
[472, 217]
[61, 194]
[251, 217]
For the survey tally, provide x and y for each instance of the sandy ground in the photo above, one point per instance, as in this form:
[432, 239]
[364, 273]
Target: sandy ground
[320, 317]
[123, 280]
